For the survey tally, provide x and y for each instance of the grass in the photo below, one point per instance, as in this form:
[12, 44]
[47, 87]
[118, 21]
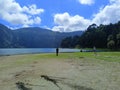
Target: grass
[106, 56]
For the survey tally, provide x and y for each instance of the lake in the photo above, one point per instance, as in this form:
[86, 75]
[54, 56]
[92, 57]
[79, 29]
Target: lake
[14, 51]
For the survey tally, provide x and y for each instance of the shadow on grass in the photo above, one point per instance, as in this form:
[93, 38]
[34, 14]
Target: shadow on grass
[21, 86]
[57, 80]
[77, 87]
[54, 81]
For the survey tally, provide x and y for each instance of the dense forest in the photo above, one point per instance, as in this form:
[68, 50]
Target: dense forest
[103, 36]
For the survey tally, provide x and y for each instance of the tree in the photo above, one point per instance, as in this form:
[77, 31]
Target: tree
[110, 37]
[118, 40]
[66, 43]
[102, 36]
[111, 44]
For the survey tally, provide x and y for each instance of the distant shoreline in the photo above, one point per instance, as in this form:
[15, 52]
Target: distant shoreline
[20, 51]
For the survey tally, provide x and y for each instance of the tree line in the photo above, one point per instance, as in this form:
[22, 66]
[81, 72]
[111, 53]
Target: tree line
[103, 36]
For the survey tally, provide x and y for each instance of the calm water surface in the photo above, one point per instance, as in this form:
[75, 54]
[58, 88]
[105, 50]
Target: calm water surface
[13, 51]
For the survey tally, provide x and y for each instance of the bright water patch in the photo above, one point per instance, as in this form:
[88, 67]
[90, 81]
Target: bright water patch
[13, 51]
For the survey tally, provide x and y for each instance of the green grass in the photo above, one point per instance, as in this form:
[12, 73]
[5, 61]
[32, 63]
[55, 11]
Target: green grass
[106, 56]
[109, 56]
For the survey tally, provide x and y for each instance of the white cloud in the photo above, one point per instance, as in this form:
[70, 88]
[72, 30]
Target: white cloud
[62, 19]
[87, 2]
[108, 14]
[13, 13]
[59, 28]
[33, 9]
[66, 23]
[115, 1]
[37, 20]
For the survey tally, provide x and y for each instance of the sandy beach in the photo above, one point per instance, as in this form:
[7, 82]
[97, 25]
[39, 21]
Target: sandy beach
[39, 72]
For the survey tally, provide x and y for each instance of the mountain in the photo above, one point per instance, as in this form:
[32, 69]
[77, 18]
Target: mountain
[6, 37]
[32, 37]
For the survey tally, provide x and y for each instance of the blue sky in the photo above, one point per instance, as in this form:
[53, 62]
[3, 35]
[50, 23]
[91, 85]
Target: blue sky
[58, 15]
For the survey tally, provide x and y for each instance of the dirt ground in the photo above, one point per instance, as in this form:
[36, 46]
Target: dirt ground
[58, 74]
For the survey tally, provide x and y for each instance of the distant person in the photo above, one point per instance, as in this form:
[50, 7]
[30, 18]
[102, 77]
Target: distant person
[94, 50]
[57, 51]
[81, 50]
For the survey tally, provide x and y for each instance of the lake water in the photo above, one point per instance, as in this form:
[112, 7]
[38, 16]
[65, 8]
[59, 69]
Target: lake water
[14, 51]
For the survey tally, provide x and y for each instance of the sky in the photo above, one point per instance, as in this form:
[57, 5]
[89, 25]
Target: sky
[58, 15]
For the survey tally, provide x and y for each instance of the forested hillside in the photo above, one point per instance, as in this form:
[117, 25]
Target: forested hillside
[103, 36]
[32, 37]
[6, 37]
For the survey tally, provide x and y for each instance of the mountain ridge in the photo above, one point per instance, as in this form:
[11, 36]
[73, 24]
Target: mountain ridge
[32, 37]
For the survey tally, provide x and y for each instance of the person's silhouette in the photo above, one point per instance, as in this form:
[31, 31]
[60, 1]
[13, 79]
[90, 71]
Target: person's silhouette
[57, 51]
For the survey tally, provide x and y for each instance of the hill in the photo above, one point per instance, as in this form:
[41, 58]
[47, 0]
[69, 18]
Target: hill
[32, 37]
[6, 37]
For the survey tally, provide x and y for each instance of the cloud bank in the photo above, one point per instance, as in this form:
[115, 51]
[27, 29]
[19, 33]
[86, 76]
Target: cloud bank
[66, 22]
[13, 13]
[86, 2]
[106, 15]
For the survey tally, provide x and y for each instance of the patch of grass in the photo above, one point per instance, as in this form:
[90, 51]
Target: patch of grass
[107, 56]
[51, 56]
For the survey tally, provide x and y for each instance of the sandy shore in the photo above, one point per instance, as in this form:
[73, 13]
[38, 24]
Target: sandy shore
[23, 72]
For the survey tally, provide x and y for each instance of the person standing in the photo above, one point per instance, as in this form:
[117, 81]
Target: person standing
[57, 51]
[94, 50]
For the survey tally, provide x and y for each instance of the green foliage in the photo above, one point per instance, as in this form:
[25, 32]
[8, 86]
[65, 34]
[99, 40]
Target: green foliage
[110, 37]
[66, 42]
[77, 46]
[111, 44]
[118, 40]
[70, 42]
[103, 36]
